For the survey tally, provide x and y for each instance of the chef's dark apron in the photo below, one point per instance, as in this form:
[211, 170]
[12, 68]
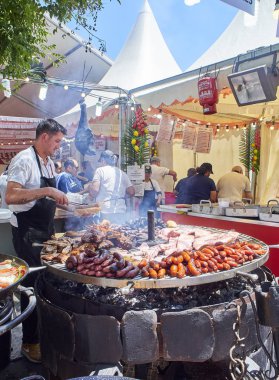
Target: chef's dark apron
[148, 200]
[34, 226]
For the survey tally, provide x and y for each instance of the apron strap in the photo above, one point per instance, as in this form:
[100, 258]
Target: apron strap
[152, 185]
[39, 164]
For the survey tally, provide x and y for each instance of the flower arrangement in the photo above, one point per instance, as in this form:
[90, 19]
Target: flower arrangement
[136, 148]
[154, 149]
[256, 146]
[249, 148]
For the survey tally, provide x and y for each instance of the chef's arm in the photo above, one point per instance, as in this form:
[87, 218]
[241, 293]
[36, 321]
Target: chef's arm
[16, 194]
[130, 191]
[94, 188]
[173, 174]
[158, 200]
[213, 196]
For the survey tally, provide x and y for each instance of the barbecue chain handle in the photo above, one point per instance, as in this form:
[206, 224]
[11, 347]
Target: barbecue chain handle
[21, 317]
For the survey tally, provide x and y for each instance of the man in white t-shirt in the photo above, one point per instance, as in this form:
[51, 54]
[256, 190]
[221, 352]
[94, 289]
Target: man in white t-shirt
[110, 186]
[159, 172]
[234, 185]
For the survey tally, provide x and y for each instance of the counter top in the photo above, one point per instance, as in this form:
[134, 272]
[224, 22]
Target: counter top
[255, 221]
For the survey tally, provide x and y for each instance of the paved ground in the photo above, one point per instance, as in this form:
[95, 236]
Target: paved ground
[19, 367]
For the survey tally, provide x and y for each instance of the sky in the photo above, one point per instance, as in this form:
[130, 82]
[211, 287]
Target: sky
[188, 31]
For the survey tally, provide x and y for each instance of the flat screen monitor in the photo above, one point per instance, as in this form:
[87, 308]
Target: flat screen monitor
[256, 85]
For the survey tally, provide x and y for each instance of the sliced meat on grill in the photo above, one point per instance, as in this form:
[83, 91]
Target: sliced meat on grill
[215, 238]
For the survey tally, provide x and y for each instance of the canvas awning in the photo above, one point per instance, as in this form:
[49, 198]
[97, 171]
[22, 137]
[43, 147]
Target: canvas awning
[178, 96]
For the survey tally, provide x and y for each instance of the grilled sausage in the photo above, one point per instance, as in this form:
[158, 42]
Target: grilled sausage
[132, 273]
[100, 259]
[193, 269]
[122, 272]
[173, 270]
[90, 252]
[181, 272]
[144, 272]
[186, 256]
[107, 262]
[152, 273]
[142, 264]
[161, 273]
[80, 257]
[80, 267]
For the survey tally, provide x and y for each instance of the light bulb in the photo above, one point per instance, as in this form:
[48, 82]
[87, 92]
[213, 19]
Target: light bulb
[99, 108]
[149, 109]
[116, 106]
[27, 79]
[66, 87]
[271, 127]
[43, 91]
[83, 94]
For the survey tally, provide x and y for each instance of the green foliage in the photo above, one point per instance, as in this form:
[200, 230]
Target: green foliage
[24, 33]
[135, 145]
[249, 148]
[245, 148]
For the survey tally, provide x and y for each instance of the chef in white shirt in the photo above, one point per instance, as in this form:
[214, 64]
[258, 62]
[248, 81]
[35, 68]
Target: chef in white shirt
[111, 186]
[32, 197]
[159, 172]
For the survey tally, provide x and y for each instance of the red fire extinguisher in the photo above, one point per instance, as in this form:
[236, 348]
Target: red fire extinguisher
[208, 94]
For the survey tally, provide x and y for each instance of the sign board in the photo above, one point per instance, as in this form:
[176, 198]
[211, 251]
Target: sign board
[244, 5]
[204, 140]
[166, 129]
[189, 137]
[16, 134]
[197, 138]
[135, 173]
[139, 188]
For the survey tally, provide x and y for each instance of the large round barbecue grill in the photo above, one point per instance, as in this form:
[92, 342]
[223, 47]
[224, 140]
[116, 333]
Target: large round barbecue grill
[170, 282]
[91, 324]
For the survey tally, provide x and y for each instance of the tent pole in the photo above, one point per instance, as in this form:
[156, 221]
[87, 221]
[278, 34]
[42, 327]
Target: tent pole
[195, 159]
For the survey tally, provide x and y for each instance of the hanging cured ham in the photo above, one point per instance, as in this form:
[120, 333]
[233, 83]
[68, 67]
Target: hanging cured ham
[84, 139]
